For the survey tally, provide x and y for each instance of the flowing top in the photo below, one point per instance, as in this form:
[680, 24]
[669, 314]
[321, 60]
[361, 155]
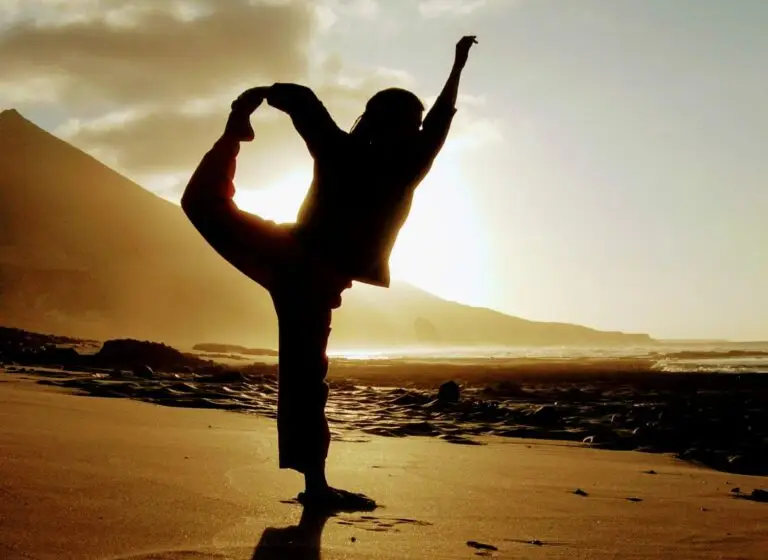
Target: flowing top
[361, 193]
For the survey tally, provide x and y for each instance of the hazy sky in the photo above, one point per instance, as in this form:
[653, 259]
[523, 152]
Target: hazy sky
[607, 167]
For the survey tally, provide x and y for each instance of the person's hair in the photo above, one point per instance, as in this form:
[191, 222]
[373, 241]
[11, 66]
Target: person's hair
[382, 107]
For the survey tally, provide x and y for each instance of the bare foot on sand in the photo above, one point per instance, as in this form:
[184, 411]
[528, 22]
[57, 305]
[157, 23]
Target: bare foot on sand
[334, 499]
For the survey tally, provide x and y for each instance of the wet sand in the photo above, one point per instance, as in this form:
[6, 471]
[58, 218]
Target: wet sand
[716, 419]
[96, 478]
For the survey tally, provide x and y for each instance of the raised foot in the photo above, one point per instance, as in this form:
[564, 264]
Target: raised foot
[334, 499]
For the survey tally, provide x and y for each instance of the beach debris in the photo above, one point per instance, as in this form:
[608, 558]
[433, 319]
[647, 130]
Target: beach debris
[632, 499]
[449, 392]
[757, 495]
[536, 542]
[545, 415]
[130, 352]
[408, 399]
[223, 377]
[460, 440]
[481, 546]
[353, 539]
[650, 472]
[505, 388]
[736, 461]
[143, 371]
[580, 492]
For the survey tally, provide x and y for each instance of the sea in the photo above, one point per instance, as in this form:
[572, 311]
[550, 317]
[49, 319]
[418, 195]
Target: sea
[704, 357]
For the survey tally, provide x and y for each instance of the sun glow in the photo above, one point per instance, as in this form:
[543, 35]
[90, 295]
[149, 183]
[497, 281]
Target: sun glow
[442, 248]
[280, 201]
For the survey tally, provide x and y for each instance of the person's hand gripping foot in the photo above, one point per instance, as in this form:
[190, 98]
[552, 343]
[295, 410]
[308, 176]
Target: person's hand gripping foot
[239, 121]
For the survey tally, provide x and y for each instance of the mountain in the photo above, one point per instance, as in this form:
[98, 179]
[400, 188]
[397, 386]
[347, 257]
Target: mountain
[86, 252]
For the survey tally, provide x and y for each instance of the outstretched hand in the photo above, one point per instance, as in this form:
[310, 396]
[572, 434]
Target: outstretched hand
[239, 124]
[250, 99]
[462, 49]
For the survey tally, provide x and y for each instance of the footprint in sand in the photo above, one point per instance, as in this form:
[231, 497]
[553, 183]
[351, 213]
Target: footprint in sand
[350, 439]
[482, 548]
[379, 524]
[533, 542]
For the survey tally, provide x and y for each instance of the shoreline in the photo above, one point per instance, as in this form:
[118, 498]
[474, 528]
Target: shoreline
[718, 420]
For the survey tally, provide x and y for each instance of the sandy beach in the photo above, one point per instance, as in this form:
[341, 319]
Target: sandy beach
[97, 478]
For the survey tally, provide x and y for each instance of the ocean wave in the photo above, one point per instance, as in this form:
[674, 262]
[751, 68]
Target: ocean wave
[715, 354]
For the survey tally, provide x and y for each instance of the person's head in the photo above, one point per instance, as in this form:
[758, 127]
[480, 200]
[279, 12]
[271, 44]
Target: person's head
[391, 114]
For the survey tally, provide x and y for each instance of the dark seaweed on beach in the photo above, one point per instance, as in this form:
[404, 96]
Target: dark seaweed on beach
[718, 420]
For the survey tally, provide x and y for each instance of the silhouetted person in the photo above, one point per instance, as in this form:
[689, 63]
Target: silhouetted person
[361, 194]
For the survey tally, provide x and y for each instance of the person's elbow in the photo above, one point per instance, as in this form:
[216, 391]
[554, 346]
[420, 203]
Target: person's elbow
[191, 204]
[187, 199]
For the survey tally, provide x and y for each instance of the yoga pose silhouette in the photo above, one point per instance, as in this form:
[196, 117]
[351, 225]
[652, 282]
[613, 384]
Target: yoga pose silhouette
[360, 197]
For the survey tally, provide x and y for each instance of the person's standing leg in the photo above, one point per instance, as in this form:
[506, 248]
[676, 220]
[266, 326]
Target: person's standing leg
[304, 309]
[304, 324]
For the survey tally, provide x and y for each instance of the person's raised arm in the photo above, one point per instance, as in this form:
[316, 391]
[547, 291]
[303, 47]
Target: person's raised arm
[438, 120]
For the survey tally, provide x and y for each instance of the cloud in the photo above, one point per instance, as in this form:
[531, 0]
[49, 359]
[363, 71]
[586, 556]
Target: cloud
[330, 12]
[159, 51]
[149, 145]
[371, 20]
[143, 142]
[148, 84]
[364, 9]
[437, 8]
[64, 12]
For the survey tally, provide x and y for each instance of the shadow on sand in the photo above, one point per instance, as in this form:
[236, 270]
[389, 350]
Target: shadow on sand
[299, 542]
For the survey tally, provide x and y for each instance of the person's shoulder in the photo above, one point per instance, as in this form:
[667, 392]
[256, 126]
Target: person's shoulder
[336, 144]
[342, 138]
[424, 143]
